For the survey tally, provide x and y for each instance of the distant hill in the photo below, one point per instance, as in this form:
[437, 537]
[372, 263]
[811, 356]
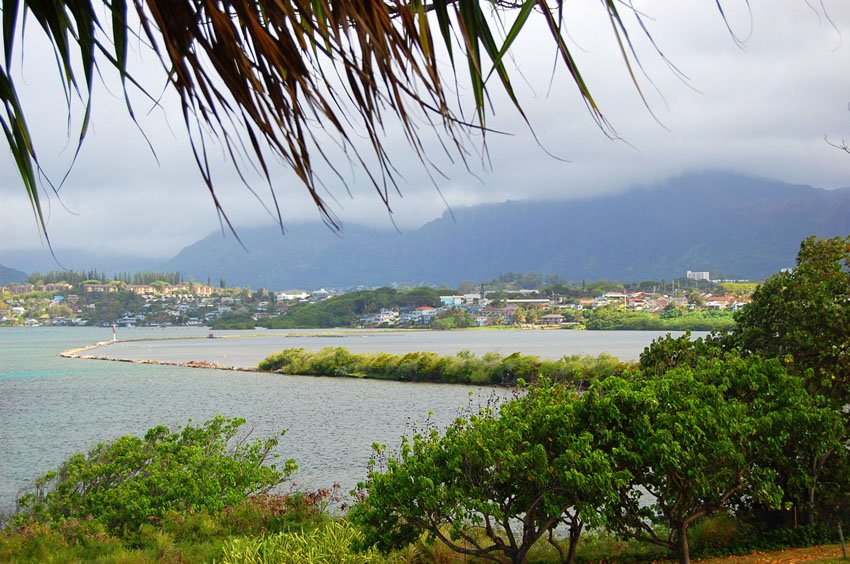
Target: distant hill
[728, 224]
[11, 276]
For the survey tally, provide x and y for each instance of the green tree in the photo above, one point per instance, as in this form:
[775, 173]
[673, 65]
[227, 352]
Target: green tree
[668, 352]
[695, 438]
[695, 298]
[519, 316]
[672, 311]
[803, 317]
[130, 480]
[509, 479]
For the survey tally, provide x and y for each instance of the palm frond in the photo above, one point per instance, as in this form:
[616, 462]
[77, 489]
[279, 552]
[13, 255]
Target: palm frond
[269, 77]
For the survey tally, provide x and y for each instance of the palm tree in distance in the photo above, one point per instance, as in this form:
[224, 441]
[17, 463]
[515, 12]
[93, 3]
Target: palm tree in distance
[266, 78]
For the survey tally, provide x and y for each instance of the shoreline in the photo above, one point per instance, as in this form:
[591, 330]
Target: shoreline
[78, 353]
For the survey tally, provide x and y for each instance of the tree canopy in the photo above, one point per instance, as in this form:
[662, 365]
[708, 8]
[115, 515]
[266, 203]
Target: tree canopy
[802, 316]
[278, 78]
[695, 438]
[493, 484]
[130, 480]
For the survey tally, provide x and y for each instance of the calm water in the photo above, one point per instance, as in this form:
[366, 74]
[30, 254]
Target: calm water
[51, 407]
[247, 349]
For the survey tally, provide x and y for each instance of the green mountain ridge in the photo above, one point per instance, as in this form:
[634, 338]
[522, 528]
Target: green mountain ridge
[732, 225]
[11, 276]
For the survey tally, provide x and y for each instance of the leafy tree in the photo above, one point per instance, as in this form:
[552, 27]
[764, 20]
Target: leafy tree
[802, 473]
[694, 438]
[668, 352]
[519, 316]
[491, 486]
[131, 480]
[803, 317]
[672, 311]
[695, 298]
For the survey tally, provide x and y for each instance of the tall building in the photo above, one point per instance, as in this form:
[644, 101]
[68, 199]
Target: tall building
[697, 275]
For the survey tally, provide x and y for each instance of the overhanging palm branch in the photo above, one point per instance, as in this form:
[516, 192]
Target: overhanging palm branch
[265, 77]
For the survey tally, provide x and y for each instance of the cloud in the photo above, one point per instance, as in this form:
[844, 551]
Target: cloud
[763, 108]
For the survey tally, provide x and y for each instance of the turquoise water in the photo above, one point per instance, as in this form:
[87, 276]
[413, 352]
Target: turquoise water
[51, 407]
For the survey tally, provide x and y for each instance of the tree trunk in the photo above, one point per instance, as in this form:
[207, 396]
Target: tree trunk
[682, 545]
[810, 519]
[575, 532]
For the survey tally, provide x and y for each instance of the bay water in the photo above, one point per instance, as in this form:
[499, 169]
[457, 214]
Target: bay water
[51, 407]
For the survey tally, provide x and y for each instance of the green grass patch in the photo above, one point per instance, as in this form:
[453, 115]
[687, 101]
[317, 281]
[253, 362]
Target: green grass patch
[490, 369]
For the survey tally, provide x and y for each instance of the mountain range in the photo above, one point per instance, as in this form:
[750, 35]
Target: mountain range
[731, 225]
[11, 276]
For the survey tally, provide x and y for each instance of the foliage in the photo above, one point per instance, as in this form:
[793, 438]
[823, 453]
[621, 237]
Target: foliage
[233, 321]
[491, 485]
[453, 319]
[331, 544]
[346, 310]
[803, 473]
[695, 436]
[77, 278]
[110, 306]
[803, 317]
[464, 367]
[668, 352]
[179, 536]
[131, 480]
[612, 318]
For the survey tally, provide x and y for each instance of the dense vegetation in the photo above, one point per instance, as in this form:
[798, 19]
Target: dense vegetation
[131, 480]
[721, 426]
[628, 453]
[337, 311]
[463, 368]
[673, 319]
[345, 310]
[170, 495]
[706, 446]
[76, 278]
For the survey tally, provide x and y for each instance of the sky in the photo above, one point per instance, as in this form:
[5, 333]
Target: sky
[760, 107]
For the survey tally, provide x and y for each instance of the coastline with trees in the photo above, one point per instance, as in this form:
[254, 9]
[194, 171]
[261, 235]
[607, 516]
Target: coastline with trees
[722, 444]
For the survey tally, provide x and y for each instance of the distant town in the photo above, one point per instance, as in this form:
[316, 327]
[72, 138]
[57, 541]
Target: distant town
[520, 300]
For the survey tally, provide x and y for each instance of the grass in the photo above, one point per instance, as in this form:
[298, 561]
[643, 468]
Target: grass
[462, 368]
[203, 538]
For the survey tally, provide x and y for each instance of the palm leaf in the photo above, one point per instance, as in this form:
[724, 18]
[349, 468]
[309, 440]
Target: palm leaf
[278, 77]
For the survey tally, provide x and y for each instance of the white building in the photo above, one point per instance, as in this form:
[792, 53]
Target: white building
[697, 275]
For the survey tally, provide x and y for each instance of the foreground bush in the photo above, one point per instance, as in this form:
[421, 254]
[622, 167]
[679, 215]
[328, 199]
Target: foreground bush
[179, 536]
[463, 368]
[700, 440]
[646, 457]
[130, 481]
[330, 544]
[494, 484]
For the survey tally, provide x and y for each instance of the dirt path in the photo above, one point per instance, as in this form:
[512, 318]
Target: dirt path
[827, 553]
